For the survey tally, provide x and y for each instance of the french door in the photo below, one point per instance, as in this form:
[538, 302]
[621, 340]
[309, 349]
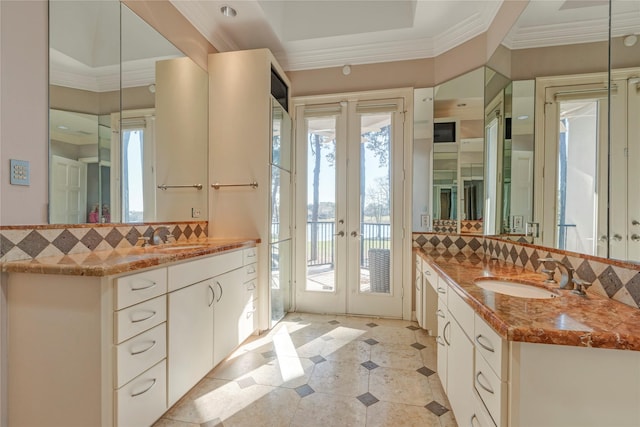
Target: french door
[350, 204]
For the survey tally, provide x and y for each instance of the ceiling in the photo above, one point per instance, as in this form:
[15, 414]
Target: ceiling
[308, 34]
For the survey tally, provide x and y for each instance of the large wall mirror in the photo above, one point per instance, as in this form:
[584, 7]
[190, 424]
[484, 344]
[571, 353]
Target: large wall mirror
[128, 120]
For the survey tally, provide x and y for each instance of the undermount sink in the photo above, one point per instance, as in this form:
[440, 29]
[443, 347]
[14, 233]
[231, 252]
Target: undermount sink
[179, 247]
[515, 288]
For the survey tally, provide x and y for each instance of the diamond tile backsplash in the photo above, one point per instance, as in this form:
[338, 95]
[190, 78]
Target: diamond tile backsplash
[29, 242]
[611, 278]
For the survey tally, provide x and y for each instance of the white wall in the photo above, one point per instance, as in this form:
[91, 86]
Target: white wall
[24, 110]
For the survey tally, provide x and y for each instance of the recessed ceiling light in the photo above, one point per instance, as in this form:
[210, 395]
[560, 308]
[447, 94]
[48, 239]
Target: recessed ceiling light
[524, 117]
[228, 11]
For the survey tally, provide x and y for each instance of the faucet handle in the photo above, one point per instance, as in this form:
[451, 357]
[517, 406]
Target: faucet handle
[144, 240]
[581, 286]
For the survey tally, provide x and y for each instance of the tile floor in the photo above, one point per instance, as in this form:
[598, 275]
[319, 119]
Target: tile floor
[322, 370]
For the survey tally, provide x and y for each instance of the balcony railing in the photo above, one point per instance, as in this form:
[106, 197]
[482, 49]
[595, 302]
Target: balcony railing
[321, 242]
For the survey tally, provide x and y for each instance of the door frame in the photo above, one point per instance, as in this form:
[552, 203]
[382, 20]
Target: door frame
[404, 229]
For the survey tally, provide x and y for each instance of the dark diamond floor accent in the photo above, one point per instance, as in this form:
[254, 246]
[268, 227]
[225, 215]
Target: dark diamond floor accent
[367, 399]
[246, 382]
[412, 328]
[371, 341]
[372, 325]
[418, 346]
[369, 365]
[426, 371]
[269, 354]
[334, 322]
[437, 408]
[304, 390]
[317, 359]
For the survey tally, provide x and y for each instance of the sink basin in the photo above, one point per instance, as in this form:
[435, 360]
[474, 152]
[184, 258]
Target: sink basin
[179, 247]
[514, 288]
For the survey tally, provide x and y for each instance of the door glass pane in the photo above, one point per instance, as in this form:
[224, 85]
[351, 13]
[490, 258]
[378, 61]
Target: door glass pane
[280, 254]
[577, 176]
[375, 202]
[321, 204]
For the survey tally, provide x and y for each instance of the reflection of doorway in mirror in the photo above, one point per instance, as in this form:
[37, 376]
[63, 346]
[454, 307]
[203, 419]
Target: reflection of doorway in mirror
[68, 191]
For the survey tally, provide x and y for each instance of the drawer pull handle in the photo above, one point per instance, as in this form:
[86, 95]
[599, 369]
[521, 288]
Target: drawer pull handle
[250, 312]
[251, 254]
[427, 272]
[473, 417]
[444, 333]
[153, 382]
[153, 313]
[440, 313]
[488, 346]
[251, 286]
[484, 387]
[213, 295]
[251, 270]
[441, 290]
[135, 353]
[220, 286]
[151, 284]
[439, 340]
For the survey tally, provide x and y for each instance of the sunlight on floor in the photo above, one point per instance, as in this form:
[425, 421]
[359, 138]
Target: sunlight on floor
[290, 367]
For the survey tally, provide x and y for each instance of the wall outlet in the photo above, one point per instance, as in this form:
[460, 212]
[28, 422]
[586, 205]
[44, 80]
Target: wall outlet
[424, 221]
[195, 212]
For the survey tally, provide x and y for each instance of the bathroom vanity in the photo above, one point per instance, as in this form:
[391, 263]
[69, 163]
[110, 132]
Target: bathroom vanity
[503, 360]
[114, 338]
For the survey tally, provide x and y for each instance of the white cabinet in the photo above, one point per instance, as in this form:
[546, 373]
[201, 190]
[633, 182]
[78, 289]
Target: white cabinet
[420, 314]
[227, 313]
[443, 339]
[190, 339]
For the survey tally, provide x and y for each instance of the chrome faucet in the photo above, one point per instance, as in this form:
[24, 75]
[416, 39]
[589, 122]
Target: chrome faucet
[157, 236]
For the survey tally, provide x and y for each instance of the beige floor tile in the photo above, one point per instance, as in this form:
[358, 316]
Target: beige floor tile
[390, 335]
[438, 392]
[430, 356]
[165, 422]
[213, 398]
[234, 368]
[289, 372]
[398, 357]
[396, 323]
[346, 378]
[384, 414]
[448, 420]
[352, 351]
[274, 409]
[359, 322]
[400, 386]
[324, 410]
[346, 332]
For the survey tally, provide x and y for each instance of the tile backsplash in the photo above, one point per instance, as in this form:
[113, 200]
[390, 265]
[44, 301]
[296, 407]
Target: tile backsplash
[30, 242]
[614, 279]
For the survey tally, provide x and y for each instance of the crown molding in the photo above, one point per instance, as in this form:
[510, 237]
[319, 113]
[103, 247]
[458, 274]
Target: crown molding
[205, 20]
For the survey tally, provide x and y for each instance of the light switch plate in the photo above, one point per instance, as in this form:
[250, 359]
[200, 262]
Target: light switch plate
[195, 213]
[19, 172]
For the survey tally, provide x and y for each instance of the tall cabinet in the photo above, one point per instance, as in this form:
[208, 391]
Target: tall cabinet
[248, 98]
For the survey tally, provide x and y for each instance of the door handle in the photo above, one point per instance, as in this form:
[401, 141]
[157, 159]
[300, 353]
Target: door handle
[340, 233]
[617, 237]
[635, 238]
[354, 234]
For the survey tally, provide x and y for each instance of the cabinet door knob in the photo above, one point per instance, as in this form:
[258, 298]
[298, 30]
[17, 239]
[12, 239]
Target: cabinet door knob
[635, 238]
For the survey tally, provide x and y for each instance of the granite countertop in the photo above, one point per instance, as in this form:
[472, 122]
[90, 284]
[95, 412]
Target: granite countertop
[591, 321]
[105, 263]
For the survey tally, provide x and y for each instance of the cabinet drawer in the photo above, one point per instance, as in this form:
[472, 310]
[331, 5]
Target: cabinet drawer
[140, 317]
[191, 272]
[430, 274]
[248, 320]
[141, 352]
[250, 255]
[142, 401]
[462, 312]
[251, 290]
[480, 416]
[492, 347]
[491, 389]
[250, 272]
[140, 287]
[441, 287]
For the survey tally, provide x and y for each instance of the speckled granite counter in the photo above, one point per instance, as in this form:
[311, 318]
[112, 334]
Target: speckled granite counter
[105, 263]
[591, 321]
